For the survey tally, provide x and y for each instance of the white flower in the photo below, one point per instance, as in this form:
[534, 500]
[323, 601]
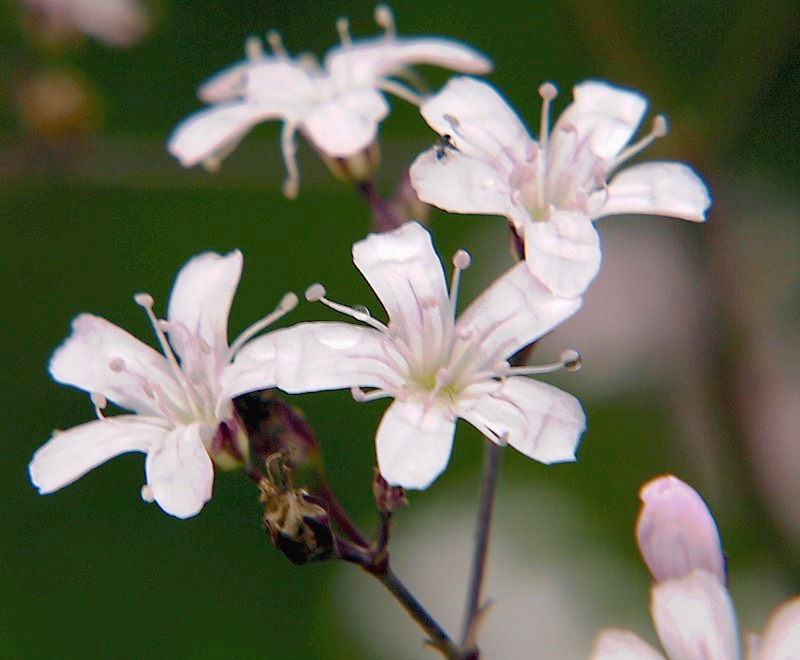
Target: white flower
[337, 106]
[182, 415]
[435, 368]
[116, 22]
[551, 189]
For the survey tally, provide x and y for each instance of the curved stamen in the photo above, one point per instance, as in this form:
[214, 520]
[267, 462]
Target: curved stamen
[660, 129]
[286, 305]
[548, 91]
[343, 28]
[385, 18]
[569, 360]
[276, 44]
[361, 396]
[399, 90]
[316, 293]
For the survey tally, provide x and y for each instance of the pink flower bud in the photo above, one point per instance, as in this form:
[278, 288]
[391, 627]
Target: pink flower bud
[676, 532]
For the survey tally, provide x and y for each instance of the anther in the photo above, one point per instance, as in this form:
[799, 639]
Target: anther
[343, 28]
[147, 494]
[660, 127]
[461, 259]
[253, 49]
[117, 365]
[315, 292]
[144, 300]
[358, 394]
[548, 92]
[571, 360]
[385, 18]
[276, 44]
[453, 121]
[99, 402]
[288, 302]
[463, 334]
[659, 130]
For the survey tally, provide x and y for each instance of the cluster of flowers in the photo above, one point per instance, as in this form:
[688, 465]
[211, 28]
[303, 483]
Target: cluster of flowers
[436, 368]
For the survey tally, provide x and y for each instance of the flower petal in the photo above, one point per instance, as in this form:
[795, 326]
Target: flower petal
[481, 122]
[311, 357]
[514, 311]
[253, 368]
[70, 454]
[201, 298]
[347, 124]
[670, 189]
[462, 184]
[781, 637]
[180, 473]
[86, 358]
[676, 532]
[606, 115]
[537, 419]
[694, 617]
[563, 252]
[208, 132]
[414, 443]
[406, 274]
[228, 84]
[616, 644]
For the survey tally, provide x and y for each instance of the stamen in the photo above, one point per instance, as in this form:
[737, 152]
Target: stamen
[453, 121]
[385, 18]
[253, 49]
[461, 261]
[289, 151]
[443, 379]
[394, 87]
[117, 365]
[99, 402]
[147, 494]
[286, 305]
[343, 28]
[276, 44]
[569, 360]
[361, 396]
[145, 301]
[548, 91]
[316, 293]
[659, 130]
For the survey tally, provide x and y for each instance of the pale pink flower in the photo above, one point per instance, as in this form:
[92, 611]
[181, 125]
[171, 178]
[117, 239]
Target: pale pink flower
[552, 189]
[182, 416]
[436, 368]
[336, 106]
[115, 22]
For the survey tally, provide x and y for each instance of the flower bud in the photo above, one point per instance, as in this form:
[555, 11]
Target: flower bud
[388, 499]
[676, 532]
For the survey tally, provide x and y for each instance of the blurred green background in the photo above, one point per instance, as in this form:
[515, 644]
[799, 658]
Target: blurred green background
[88, 218]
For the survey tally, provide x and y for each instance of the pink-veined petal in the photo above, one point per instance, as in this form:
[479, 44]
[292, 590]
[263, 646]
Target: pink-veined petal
[537, 419]
[406, 274]
[70, 454]
[617, 644]
[318, 356]
[514, 311]
[480, 121]
[606, 115]
[201, 298]
[463, 184]
[694, 617]
[669, 189]
[208, 132]
[346, 125]
[86, 358]
[781, 637]
[676, 532]
[563, 252]
[414, 443]
[364, 62]
[180, 473]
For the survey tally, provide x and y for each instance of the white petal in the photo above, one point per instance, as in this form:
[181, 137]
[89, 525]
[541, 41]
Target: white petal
[676, 532]
[606, 115]
[211, 131]
[312, 357]
[68, 455]
[537, 419]
[180, 472]
[563, 252]
[781, 637]
[201, 298]
[514, 311]
[253, 368]
[670, 189]
[406, 274]
[616, 644]
[461, 184]
[413, 443]
[227, 85]
[285, 85]
[694, 617]
[345, 125]
[84, 360]
[363, 63]
[485, 125]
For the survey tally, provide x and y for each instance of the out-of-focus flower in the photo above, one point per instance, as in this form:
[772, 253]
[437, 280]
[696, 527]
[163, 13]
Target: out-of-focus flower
[435, 368]
[690, 606]
[114, 22]
[551, 189]
[337, 106]
[183, 417]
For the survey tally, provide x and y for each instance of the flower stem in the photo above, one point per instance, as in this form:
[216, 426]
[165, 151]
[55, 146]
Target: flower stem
[384, 218]
[492, 455]
[339, 515]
